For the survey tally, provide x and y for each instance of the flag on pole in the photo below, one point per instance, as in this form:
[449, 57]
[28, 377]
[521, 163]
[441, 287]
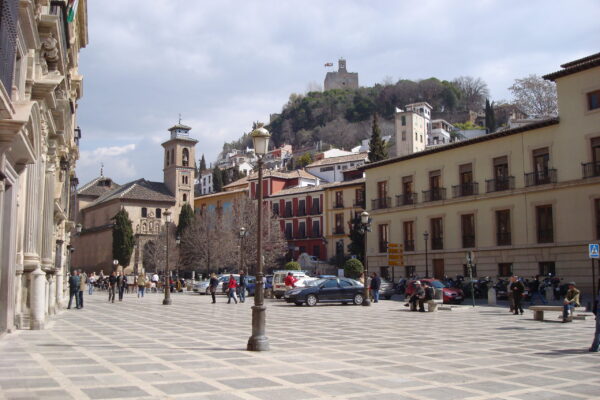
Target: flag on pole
[72, 10]
[330, 64]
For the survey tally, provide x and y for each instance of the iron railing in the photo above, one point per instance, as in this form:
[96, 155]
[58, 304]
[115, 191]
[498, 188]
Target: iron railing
[409, 245]
[434, 194]
[500, 184]
[465, 189]
[384, 202]
[437, 243]
[545, 235]
[543, 177]
[503, 238]
[406, 199]
[468, 241]
[591, 169]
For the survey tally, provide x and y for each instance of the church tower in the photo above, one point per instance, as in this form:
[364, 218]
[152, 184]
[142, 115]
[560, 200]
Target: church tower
[179, 166]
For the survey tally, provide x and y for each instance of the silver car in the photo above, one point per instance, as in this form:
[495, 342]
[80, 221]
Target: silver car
[202, 287]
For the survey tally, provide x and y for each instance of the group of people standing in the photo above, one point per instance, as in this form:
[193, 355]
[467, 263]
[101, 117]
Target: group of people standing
[234, 288]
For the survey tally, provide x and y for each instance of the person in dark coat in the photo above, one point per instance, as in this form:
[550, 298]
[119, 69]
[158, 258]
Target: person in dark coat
[74, 282]
[242, 287]
[112, 285]
[121, 284]
[375, 286]
[417, 295]
[517, 288]
[212, 286]
[596, 343]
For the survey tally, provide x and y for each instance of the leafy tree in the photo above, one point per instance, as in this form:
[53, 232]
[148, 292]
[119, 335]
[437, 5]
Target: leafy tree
[490, 118]
[292, 265]
[186, 216]
[357, 240]
[535, 96]
[377, 151]
[217, 178]
[304, 160]
[123, 240]
[353, 268]
[202, 164]
[467, 126]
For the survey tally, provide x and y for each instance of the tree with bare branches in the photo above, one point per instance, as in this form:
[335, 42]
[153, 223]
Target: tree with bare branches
[535, 96]
[473, 92]
[154, 253]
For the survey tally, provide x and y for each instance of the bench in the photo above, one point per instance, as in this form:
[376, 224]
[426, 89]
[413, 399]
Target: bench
[538, 311]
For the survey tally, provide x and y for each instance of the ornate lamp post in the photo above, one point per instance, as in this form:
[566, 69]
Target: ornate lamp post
[426, 237]
[242, 236]
[365, 226]
[258, 341]
[167, 299]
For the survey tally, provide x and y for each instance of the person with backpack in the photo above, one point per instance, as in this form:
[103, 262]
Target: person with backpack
[232, 285]
[212, 287]
[242, 287]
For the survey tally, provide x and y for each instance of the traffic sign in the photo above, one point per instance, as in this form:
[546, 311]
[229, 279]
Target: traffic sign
[395, 254]
[594, 250]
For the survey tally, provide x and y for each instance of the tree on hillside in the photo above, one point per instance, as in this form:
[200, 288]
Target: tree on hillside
[377, 151]
[217, 178]
[473, 92]
[535, 96]
[122, 235]
[304, 160]
[202, 164]
[186, 216]
[490, 118]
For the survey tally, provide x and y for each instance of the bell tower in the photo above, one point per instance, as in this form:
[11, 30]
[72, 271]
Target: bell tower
[179, 166]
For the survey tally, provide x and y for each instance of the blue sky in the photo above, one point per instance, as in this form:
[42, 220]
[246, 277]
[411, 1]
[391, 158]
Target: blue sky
[223, 64]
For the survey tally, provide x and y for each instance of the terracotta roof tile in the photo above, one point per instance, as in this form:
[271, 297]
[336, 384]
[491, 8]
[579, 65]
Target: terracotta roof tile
[575, 66]
[339, 160]
[140, 189]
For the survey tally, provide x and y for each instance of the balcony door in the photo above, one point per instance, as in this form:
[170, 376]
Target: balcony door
[541, 162]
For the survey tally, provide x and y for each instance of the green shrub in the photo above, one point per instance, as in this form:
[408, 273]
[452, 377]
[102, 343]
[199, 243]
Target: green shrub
[353, 268]
[292, 265]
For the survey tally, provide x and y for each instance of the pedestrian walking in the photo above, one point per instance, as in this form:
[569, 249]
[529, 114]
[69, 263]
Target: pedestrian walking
[596, 343]
[232, 285]
[571, 301]
[91, 282]
[212, 287]
[534, 290]
[82, 283]
[112, 285]
[517, 288]
[74, 282]
[141, 284]
[121, 283]
[509, 295]
[375, 286]
[242, 287]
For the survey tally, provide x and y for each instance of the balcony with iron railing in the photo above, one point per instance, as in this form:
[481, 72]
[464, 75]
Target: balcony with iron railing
[437, 243]
[468, 241]
[543, 177]
[435, 194]
[384, 202]
[503, 238]
[465, 189]
[591, 169]
[409, 245]
[500, 184]
[406, 199]
[545, 235]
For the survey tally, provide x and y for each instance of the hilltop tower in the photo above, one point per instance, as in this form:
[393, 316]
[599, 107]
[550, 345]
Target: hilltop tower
[342, 79]
[179, 166]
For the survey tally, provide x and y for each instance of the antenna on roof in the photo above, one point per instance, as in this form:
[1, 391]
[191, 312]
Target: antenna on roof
[179, 118]
[101, 169]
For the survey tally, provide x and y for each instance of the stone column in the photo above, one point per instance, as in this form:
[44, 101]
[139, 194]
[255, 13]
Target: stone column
[51, 293]
[32, 218]
[60, 296]
[48, 218]
[37, 299]
[19, 298]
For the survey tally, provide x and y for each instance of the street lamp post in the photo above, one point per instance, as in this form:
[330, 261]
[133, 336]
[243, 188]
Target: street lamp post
[167, 299]
[426, 237]
[242, 235]
[365, 226]
[258, 341]
[177, 243]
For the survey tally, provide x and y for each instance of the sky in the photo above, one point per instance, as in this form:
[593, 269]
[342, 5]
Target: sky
[224, 64]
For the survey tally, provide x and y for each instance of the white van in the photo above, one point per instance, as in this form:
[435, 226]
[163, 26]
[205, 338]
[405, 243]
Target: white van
[279, 278]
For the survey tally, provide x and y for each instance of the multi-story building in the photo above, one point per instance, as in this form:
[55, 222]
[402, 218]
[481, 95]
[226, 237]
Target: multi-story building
[40, 86]
[525, 200]
[205, 183]
[332, 169]
[412, 128]
[343, 201]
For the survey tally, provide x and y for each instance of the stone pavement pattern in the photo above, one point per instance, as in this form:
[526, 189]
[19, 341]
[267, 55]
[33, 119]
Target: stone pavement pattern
[195, 350]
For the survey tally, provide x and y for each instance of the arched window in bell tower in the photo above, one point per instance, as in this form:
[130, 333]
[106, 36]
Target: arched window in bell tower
[185, 157]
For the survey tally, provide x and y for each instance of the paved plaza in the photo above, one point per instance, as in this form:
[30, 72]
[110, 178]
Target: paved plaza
[196, 350]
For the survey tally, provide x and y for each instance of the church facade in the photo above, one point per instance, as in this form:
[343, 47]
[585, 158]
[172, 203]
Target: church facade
[145, 201]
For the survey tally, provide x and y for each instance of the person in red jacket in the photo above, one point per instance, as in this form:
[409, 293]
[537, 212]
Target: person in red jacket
[290, 281]
[232, 285]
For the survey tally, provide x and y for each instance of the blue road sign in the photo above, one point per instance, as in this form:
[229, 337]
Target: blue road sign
[594, 250]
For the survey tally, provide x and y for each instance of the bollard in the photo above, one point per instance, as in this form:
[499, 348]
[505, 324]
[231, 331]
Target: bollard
[491, 296]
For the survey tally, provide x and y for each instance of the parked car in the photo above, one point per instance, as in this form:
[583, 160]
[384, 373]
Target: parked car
[250, 284]
[327, 290]
[450, 295]
[387, 289]
[279, 285]
[202, 287]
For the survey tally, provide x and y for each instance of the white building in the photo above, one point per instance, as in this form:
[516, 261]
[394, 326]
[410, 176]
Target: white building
[205, 183]
[440, 132]
[332, 169]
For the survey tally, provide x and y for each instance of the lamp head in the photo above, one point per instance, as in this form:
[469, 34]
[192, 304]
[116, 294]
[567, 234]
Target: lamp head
[364, 217]
[260, 139]
[167, 214]
[78, 228]
[426, 235]
[242, 231]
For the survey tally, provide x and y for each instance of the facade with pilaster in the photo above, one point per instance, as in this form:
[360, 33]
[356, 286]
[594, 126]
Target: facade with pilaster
[40, 86]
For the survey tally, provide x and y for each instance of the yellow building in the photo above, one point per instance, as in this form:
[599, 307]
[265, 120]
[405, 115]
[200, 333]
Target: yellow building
[221, 201]
[525, 200]
[341, 203]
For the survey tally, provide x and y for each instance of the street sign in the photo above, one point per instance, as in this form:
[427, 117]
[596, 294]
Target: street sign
[594, 250]
[395, 254]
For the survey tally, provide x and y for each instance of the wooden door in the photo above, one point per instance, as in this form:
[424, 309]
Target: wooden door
[438, 268]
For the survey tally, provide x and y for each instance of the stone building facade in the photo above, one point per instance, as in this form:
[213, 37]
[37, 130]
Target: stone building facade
[342, 79]
[40, 86]
[525, 200]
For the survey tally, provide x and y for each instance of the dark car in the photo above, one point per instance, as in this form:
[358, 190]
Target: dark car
[450, 295]
[387, 289]
[327, 290]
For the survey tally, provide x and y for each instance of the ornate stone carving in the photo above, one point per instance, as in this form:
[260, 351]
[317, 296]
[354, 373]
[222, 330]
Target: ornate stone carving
[49, 51]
